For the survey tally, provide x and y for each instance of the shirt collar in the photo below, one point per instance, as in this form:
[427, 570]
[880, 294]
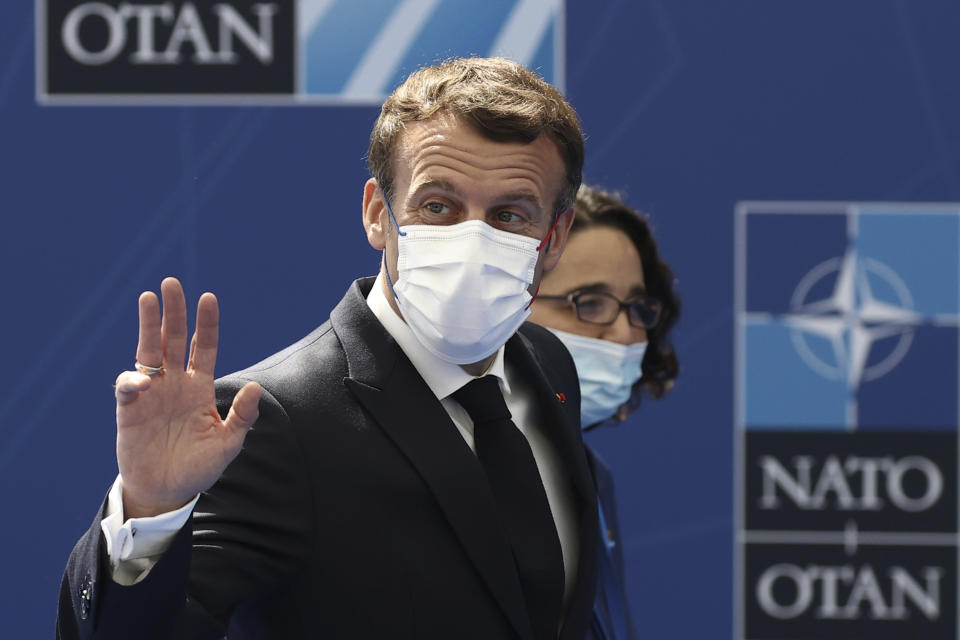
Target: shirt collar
[442, 377]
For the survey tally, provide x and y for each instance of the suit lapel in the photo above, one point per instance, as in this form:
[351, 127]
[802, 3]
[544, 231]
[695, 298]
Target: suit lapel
[389, 387]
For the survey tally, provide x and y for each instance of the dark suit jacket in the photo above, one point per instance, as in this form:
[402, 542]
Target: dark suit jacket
[611, 611]
[355, 509]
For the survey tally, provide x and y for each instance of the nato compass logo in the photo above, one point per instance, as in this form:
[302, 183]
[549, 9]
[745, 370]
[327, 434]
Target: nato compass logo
[852, 321]
[847, 417]
[848, 316]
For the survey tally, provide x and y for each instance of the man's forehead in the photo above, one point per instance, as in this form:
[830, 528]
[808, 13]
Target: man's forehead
[445, 126]
[425, 144]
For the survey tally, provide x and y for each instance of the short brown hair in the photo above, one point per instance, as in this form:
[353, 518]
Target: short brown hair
[503, 100]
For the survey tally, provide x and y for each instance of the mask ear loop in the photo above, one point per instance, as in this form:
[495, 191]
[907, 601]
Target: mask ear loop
[399, 233]
[540, 246]
[393, 217]
[549, 233]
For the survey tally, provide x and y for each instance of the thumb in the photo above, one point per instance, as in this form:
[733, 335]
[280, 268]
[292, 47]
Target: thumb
[244, 411]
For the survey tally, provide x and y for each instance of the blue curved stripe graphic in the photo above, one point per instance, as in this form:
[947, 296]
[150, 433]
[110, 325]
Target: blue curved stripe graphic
[335, 46]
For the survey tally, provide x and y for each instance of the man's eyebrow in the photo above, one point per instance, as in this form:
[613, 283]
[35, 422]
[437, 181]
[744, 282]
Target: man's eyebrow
[520, 196]
[433, 183]
[429, 184]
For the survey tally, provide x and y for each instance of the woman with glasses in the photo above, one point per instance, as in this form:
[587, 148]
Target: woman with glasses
[611, 302]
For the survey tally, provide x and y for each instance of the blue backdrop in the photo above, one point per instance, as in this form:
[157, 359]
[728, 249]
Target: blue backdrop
[689, 106]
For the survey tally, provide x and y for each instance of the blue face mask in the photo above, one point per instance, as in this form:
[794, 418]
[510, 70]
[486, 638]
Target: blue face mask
[607, 372]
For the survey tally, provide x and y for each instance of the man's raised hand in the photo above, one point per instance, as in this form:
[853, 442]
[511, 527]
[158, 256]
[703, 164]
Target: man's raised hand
[171, 442]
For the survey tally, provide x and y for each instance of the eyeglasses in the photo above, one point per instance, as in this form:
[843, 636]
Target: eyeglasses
[598, 307]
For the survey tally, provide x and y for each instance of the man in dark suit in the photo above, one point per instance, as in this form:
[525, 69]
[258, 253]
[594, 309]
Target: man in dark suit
[385, 487]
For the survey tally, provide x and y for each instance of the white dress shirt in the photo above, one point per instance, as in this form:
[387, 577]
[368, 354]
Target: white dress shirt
[135, 545]
[444, 378]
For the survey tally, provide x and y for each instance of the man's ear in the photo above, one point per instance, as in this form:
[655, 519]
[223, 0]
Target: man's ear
[558, 240]
[374, 214]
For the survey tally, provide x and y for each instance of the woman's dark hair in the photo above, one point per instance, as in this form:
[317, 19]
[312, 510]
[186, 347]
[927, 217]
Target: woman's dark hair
[594, 208]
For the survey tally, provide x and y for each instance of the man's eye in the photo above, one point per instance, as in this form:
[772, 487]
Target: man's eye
[437, 207]
[508, 216]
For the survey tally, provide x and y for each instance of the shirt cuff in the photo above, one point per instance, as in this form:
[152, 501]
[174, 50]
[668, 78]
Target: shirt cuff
[135, 545]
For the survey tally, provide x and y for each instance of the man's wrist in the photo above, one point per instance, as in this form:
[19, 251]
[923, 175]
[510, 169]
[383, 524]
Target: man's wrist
[137, 508]
[130, 538]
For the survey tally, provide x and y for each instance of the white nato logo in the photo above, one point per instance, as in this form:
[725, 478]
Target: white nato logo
[852, 318]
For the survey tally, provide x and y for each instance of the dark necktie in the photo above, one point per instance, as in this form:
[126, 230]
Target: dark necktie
[521, 501]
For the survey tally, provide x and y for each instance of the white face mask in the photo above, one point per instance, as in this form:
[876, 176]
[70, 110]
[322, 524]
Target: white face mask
[462, 288]
[607, 371]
